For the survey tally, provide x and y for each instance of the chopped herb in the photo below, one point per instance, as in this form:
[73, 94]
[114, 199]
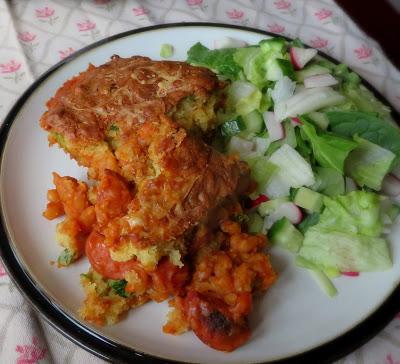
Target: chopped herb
[66, 258]
[241, 218]
[118, 287]
[114, 127]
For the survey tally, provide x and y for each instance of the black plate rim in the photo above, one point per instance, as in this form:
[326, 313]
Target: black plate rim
[111, 351]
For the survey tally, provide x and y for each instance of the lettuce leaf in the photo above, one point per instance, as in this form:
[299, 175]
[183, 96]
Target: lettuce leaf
[357, 212]
[368, 126]
[252, 59]
[329, 181]
[219, 60]
[347, 235]
[345, 252]
[369, 163]
[261, 63]
[365, 99]
[329, 150]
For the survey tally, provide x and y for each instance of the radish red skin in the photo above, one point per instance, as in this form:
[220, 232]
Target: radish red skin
[259, 200]
[296, 121]
[293, 59]
[301, 56]
[351, 274]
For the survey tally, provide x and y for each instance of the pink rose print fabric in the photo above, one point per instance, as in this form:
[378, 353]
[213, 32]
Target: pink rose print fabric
[276, 28]
[285, 7]
[46, 15]
[30, 354]
[323, 14]
[66, 52]
[41, 33]
[11, 70]
[235, 14]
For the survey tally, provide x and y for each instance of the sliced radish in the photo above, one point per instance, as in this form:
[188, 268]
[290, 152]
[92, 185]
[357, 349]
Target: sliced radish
[391, 185]
[296, 121]
[320, 81]
[259, 200]
[274, 127]
[228, 42]
[288, 210]
[350, 185]
[351, 274]
[301, 56]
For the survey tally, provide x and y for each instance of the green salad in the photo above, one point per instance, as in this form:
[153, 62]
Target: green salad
[322, 148]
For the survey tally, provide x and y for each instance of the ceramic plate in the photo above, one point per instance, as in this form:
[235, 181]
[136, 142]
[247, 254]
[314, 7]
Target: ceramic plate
[294, 321]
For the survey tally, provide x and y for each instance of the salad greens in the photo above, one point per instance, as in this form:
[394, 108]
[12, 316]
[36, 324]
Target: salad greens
[309, 221]
[219, 60]
[357, 212]
[329, 150]
[330, 182]
[347, 236]
[369, 163]
[368, 126]
[321, 148]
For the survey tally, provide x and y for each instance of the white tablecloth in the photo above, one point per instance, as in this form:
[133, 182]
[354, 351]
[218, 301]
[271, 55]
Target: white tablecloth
[37, 34]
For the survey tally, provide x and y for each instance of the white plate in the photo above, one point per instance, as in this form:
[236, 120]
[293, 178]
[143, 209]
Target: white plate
[292, 318]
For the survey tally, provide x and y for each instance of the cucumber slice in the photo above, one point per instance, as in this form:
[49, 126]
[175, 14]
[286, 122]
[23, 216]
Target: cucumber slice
[319, 119]
[324, 282]
[254, 122]
[308, 199]
[166, 51]
[332, 272]
[277, 68]
[255, 223]
[266, 208]
[311, 70]
[321, 278]
[233, 127]
[285, 235]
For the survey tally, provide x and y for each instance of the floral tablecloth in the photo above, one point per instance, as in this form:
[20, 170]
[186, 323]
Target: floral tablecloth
[36, 34]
